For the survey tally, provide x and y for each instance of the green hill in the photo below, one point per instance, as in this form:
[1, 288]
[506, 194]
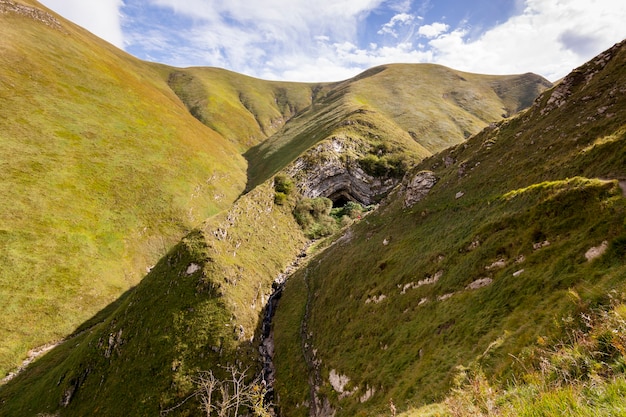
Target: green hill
[487, 266]
[106, 164]
[477, 271]
[103, 170]
[243, 109]
[421, 109]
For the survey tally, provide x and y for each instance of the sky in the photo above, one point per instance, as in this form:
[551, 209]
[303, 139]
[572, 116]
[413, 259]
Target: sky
[332, 40]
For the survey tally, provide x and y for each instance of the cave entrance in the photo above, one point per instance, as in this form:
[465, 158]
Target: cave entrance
[340, 201]
[341, 198]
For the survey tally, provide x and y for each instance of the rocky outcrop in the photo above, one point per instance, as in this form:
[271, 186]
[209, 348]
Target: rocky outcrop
[331, 169]
[417, 186]
[7, 6]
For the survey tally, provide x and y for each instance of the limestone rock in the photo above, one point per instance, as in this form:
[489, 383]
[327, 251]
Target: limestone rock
[331, 170]
[479, 283]
[417, 187]
[596, 251]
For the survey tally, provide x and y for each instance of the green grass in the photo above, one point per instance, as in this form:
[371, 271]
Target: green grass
[579, 375]
[243, 109]
[103, 171]
[525, 181]
[140, 356]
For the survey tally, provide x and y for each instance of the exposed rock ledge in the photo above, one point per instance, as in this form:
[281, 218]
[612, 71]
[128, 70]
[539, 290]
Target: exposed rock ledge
[331, 170]
[416, 186]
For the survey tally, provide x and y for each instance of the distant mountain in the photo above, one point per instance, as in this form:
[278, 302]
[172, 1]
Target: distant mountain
[428, 221]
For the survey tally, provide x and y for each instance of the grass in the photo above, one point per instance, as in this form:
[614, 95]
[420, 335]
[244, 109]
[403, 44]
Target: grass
[579, 375]
[141, 356]
[243, 109]
[103, 171]
[532, 198]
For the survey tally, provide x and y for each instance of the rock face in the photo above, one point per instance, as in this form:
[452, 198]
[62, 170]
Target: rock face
[331, 169]
[417, 186]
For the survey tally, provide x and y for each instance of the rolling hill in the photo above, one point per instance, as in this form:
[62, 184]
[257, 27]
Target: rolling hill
[106, 164]
[495, 250]
[103, 170]
[154, 214]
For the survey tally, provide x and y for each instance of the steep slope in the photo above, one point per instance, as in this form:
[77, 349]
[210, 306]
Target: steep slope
[196, 311]
[103, 169]
[472, 259]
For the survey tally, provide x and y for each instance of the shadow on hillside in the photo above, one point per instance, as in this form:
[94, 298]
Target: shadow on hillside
[103, 314]
[163, 308]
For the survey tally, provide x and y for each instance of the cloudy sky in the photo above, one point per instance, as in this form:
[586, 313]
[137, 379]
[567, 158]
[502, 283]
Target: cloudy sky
[330, 40]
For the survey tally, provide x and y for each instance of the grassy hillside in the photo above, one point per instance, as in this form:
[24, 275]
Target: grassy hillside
[477, 271]
[109, 161]
[420, 108]
[243, 109]
[196, 311]
[103, 170]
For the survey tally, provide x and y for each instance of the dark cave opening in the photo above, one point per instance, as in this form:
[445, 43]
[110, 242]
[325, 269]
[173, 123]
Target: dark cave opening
[340, 200]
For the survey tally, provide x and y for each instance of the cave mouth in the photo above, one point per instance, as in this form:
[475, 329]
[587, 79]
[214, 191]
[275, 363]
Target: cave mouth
[341, 198]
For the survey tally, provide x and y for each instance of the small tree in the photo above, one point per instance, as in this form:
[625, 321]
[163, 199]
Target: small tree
[228, 397]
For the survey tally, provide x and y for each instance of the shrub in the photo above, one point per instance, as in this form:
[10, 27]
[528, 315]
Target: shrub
[313, 215]
[280, 198]
[393, 165]
[350, 209]
[283, 187]
[283, 184]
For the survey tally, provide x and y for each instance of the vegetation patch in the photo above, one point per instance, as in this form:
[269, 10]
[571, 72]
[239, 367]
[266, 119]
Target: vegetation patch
[581, 374]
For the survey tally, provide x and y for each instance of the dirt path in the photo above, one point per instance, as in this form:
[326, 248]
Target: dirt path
[32, 355]
[622, 185]
[40, 351]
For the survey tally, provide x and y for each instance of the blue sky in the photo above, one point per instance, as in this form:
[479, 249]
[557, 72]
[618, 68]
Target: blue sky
[329, 40]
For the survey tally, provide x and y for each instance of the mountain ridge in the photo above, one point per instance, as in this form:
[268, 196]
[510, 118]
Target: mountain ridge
[104, 145]
[307, 146]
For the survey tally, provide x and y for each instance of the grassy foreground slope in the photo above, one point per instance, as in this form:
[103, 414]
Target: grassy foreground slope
[197, 310]
[103, 169]
[480, 269]
[423, 108]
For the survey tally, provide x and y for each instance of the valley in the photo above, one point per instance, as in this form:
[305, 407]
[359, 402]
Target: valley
[415, 240]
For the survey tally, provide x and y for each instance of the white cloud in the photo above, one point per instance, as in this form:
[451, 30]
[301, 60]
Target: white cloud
[549, 38]
[400, 6]
[100, 17]
[401, 19]
[432, 30]
[321, 16]
[319, 40]
[247, 36]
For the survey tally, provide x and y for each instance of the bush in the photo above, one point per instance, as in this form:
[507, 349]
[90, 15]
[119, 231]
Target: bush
[280, 198]
[283, 187]
[351, 210]
[283, 184]
[393, 165]
[313, 215]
